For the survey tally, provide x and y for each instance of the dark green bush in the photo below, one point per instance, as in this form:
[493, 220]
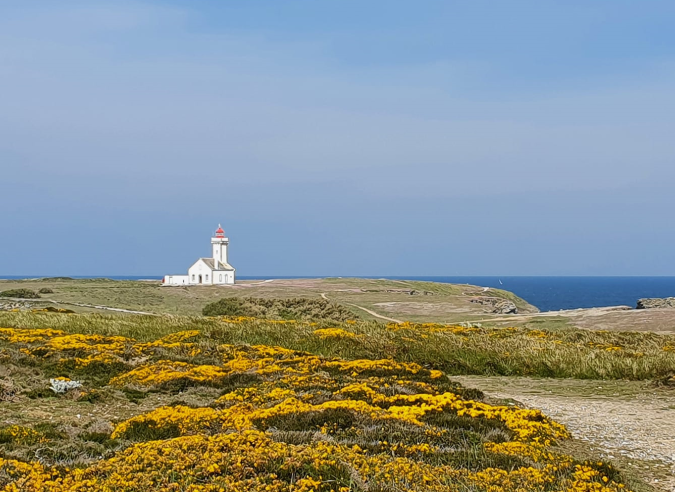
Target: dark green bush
[40, 393]
[45, 290]
[50, 430]
[294, 308]
[336, 418]
[230, 306]
[143, 431]
[20, 294]
[133, 395]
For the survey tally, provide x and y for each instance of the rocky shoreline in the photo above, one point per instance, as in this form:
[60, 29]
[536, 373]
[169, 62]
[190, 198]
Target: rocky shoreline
[656, 303]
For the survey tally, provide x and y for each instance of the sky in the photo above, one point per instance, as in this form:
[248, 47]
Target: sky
[338, 137]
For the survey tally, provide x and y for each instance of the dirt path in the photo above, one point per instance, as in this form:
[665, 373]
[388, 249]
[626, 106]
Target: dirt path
[79, 304]
[628, 422]
[107, 308]
[253, 284]
[372, 313]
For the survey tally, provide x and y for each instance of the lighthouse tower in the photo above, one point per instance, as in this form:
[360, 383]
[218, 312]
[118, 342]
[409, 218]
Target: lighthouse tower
[219, 243]
[208, 271]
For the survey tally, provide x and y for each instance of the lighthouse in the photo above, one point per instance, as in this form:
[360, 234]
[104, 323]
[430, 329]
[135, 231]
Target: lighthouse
[208, 271]
[219, 245]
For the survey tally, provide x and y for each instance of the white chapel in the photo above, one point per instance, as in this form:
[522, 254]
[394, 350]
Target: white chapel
[208, 271]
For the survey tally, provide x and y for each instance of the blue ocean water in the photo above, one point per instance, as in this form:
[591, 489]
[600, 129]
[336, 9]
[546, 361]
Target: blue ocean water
[547, 293]
[555, 293]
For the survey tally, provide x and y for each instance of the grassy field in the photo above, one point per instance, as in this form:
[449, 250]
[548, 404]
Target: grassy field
[426, 301]
[369, 299]
[206, 404]
[560, 353]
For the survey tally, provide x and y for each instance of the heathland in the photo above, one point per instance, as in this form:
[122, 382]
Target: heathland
[377, 299]
[427, 301]
[340, 399]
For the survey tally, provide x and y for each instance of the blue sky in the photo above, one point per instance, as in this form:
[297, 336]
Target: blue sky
[338, 137]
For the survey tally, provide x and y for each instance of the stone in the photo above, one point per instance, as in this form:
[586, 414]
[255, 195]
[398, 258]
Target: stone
[656, 303]
[505, 307]
[14, 305]
[500, 306]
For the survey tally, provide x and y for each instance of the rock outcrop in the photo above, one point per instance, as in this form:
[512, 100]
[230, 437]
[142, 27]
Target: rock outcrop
[499, 306]
[505, 307]
[655, 303]
[410, 292]
[14, 305]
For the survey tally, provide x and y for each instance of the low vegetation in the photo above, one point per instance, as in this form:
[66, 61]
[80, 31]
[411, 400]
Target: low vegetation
[20, 294]
[444, 302]
[560, 353]
[290, 309]
[201, 409]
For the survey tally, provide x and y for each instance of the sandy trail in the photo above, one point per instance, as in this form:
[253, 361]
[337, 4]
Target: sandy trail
[628, 422]
[369, 311]
[80, 304]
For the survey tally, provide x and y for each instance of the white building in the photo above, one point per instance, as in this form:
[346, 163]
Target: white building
[208, 271]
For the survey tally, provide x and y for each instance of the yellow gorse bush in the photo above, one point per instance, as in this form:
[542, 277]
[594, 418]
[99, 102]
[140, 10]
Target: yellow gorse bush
[336, 333]
[288, 420]
[13, 335]
[252, 461]
[165, 371]
[85, 349]
[18, 434]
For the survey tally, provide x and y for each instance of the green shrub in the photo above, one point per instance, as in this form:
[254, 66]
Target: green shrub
[230, 306]
[102, 438]
[20, 294]
[40, 393]
[50, 430]
[144, 431]
[294, 308]
[45, 290]
[335, 418]
[133, 395]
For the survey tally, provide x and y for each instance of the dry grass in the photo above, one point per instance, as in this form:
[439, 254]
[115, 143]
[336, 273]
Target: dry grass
[560, 353]
[445, 302]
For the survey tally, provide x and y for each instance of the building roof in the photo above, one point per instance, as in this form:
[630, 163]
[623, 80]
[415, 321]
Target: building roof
[211, 263]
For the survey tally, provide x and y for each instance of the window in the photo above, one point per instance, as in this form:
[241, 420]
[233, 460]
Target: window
[207, 278]
[220, 277]
[193, 277]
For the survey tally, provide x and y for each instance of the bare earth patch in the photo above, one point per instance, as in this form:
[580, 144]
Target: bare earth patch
[431, 309]
[614, 318]
[630, 423]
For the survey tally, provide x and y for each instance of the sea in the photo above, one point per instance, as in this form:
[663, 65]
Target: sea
[546, 293]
